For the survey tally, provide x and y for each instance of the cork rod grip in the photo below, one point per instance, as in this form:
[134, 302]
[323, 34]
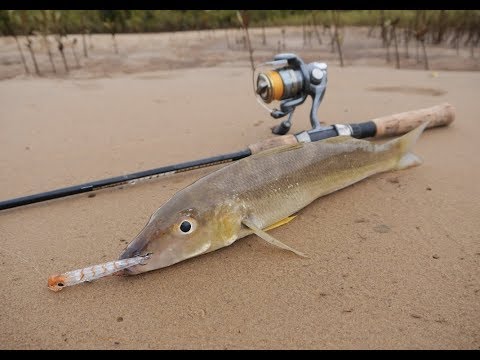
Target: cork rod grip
[398, 124]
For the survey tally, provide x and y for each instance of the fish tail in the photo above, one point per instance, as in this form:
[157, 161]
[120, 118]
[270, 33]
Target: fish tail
[402, 147]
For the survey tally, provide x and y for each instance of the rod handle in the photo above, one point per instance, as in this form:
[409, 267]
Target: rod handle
[398, 124]
[391, 125]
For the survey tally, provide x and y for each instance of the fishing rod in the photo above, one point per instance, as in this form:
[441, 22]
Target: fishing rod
[290, 84]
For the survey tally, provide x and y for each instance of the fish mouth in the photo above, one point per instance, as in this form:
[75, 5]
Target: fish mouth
[131, 271]
[136, 269]
[130, 253]
[135, 248]
[159, 259]
[127, 272]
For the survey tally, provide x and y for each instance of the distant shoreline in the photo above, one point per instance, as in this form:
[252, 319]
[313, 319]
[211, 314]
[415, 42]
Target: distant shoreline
[189, 49]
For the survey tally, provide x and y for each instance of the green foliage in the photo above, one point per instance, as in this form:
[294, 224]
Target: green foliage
[115, 21]
[15, 22]
[5, 23]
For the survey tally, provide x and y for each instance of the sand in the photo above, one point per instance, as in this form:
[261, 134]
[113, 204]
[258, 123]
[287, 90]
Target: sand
[394, 260]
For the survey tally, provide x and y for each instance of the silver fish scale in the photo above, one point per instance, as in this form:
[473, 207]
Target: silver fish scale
[275, 185]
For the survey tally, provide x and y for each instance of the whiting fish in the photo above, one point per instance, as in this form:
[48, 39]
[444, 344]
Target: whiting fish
[256, 194]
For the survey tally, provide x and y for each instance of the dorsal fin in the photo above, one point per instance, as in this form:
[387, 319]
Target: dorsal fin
[337, 139]
[278, 149]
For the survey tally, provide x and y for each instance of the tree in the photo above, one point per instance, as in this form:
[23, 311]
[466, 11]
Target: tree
[83, 21]
[317, 32]
[336, 36]
[43, 23]
[441, 26]
[58, 26]
[407, 35]
[420, 35]
[243, 17]
[394, 36]
[8, 21]
[74, 44]
[26, 25]
[114, 21]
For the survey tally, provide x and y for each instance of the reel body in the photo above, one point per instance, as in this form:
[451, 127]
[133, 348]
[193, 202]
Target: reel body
[290, 83]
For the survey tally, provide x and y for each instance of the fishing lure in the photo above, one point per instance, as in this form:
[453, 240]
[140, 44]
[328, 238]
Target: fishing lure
[58, 282]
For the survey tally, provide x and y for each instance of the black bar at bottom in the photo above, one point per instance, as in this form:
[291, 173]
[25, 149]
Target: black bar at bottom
[117, 180]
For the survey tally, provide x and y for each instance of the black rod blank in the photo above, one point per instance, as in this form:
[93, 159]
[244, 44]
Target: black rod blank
[361, 130]
[118, 180]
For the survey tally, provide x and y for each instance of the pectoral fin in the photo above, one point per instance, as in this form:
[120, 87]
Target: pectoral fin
[280, 223]
[268, 238]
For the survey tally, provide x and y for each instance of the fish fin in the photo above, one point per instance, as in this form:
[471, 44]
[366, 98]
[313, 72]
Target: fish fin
[408, 140]
[403, 147]
[268, 238]
[277, 150]
[338, 139]
[280, 223]
[408, 160]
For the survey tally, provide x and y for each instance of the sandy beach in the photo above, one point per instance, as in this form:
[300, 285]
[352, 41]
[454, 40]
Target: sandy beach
[394, 261]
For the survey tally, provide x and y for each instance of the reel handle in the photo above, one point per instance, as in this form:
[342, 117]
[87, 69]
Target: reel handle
[398, 124]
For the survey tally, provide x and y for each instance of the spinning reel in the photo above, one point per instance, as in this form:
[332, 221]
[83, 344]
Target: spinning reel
[290, 82]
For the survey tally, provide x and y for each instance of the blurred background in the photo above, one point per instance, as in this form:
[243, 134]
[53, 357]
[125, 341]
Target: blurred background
[97, 43]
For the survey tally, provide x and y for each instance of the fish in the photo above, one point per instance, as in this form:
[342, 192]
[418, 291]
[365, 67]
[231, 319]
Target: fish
[258, 193]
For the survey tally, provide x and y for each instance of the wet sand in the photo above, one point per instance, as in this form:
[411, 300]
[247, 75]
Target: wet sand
[394, 260]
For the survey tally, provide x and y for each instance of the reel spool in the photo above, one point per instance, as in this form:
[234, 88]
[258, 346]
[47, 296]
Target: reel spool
[288, 83]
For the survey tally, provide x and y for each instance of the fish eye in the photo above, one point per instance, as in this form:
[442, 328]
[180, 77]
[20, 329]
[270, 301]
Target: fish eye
[187, 226]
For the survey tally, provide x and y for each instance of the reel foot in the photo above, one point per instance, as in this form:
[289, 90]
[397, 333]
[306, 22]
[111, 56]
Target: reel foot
[282, 128]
